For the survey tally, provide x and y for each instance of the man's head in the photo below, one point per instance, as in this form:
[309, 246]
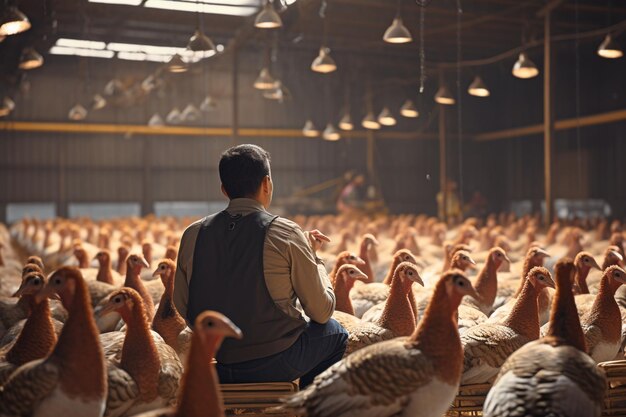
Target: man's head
[245, 173]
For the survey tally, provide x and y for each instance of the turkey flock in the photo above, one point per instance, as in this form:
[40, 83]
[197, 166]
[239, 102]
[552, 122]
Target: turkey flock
[88, 326]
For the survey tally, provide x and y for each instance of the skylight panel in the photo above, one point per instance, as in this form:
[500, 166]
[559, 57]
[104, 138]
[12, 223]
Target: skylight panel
[222, 8]
[94, 53]
[125, 2]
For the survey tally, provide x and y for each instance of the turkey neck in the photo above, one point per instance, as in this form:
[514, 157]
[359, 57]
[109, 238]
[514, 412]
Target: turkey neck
[564, 321]
[134, 281]
[333, 273]
[392, 269]
[342, 295]
[486, 283]
[200, 396]
[139, 353]
[167, 321]
[524, 316]
[365, 255]
[83, 262]
[529, 263]
[437, 335]
[581, 279]
[104, 272]
[37, 338]
[398, 315]
[79, 349]
[605, 312]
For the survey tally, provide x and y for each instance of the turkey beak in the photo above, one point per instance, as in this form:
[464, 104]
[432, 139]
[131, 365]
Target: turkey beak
[46, 292]
[359, 261]
[375, 241]
[472, 263]
[103, 310]
[617, 255]
[550, 283]
[234, 332]
[156, 272]
[594, 264]
[20, 291]
[506, 258]
[417, 279]
[471, 291]
[543, 253]
[145, 263]
[362, 277]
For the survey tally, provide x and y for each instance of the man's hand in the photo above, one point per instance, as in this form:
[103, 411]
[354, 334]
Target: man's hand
[317, 239]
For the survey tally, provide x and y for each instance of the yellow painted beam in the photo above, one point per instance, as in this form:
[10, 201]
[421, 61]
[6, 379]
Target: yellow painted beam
[565, 124]
[95, 128]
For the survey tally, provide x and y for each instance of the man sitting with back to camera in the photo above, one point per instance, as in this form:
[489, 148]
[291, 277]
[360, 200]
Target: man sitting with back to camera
[253, 266]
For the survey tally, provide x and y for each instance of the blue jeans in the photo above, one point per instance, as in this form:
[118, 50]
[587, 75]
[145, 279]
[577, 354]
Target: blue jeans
[318, 347]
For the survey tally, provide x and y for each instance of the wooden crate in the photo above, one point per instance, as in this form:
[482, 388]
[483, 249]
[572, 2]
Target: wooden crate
[252, 399]
[615, 397]
[469, 401]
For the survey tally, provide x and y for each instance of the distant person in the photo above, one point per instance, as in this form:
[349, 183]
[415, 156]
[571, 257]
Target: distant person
[253, 267]
[352, 197]
[452, 211]
[477, 206]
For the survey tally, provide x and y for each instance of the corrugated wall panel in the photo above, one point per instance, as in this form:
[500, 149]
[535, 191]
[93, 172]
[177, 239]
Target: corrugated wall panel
[106, 186]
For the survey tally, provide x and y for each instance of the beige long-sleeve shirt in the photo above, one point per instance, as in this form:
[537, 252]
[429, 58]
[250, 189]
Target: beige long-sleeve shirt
[292, 271]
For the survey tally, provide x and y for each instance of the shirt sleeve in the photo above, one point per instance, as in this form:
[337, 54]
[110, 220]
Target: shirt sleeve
[310, 280]
[183, 272]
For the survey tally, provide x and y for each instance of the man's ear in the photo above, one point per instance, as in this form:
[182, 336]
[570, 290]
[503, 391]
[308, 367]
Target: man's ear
[266, 184]
[224, 191]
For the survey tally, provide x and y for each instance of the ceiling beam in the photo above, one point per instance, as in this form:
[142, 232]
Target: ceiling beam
[563, 124]
[122, 129]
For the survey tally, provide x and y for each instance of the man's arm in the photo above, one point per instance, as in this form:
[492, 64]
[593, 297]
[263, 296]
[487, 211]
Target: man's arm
[310, 280]
[183, 269]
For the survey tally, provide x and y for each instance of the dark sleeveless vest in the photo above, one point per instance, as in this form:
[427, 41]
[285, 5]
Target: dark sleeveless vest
[228, 277]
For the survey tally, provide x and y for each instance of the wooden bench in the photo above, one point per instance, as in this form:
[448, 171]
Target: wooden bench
[252, 399]
[469, 401]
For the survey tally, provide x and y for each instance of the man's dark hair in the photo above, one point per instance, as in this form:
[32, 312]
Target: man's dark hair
[242, 169]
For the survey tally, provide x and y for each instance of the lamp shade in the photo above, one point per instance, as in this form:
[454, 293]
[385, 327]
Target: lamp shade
[77, 113]
[610, 49]
[199, 42]
[13, 21]
[444, 96]
[190, 113]
[98, 102]
[267, 17]
[524, 68]
[397, 32]
[324, 63]
[330, 133]
[30, 59]
[275, 93]
[176, 64]
[385, 117]
[346, 122]
[370, 122]
[6, 106]
[174, 117]
[478, 88]
[208, 104]
[156, 121]
[309, 129]
[264, 81]
[408, 109]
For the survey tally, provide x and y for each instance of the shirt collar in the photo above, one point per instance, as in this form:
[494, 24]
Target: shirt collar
[244, 205]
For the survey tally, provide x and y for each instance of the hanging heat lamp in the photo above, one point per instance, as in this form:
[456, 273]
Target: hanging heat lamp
[268, 18]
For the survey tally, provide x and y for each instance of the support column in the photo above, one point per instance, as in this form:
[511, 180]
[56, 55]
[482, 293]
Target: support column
[146, 198]
[443, 169]
[235, 87]
[61, 184]
[548, 122]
